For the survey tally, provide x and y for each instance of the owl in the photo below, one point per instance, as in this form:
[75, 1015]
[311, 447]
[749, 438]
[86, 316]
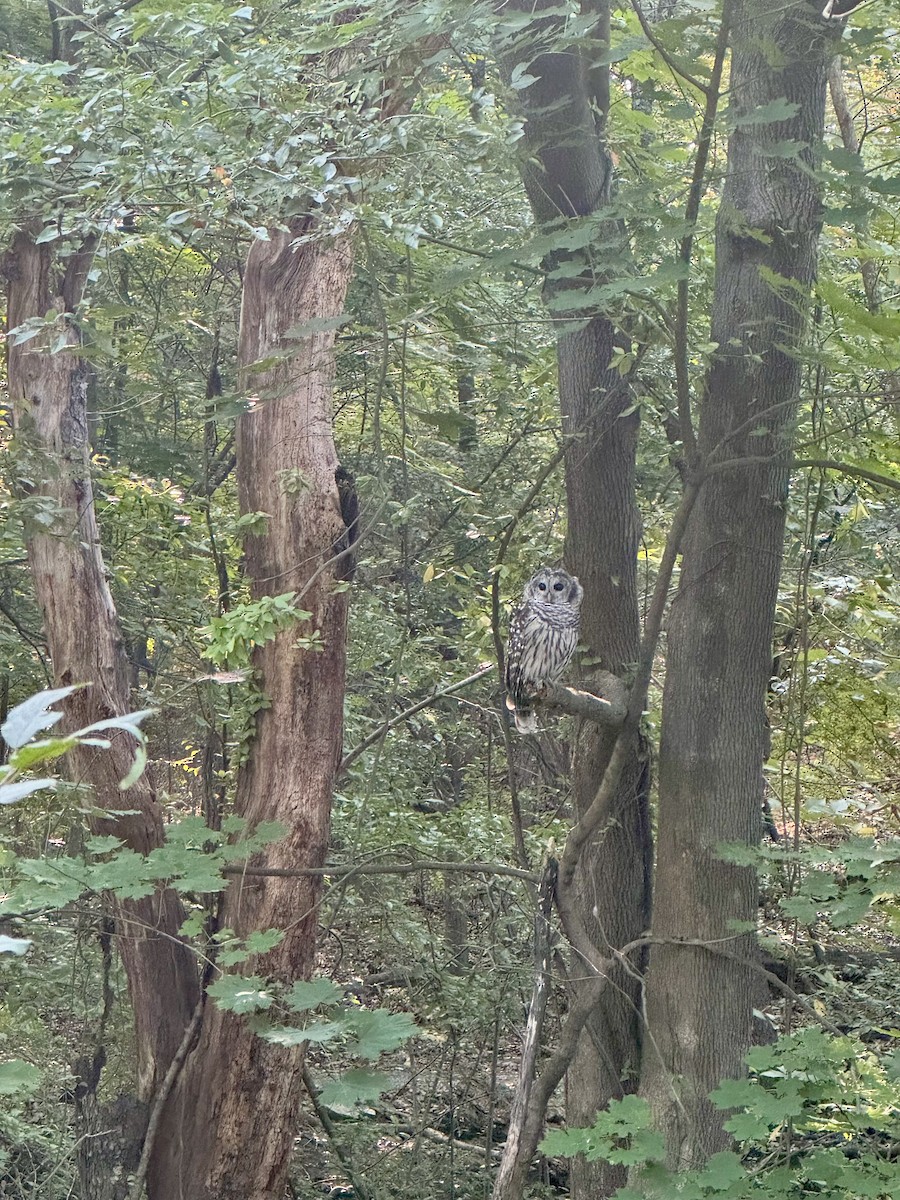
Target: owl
[543, 634]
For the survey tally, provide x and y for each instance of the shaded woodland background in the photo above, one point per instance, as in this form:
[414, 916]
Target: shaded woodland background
[490, 262]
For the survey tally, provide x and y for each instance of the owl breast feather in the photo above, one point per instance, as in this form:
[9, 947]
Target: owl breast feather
[544, 640]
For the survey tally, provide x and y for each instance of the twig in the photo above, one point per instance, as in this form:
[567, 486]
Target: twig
[517, 823]
[664, 54]
[692, 210]
[723, 952]
[352, 755]
[515, 1161]
[411, 868]
[590, 821]
[823, 464]
[540, 994]
[500, 557]
[360, 1187]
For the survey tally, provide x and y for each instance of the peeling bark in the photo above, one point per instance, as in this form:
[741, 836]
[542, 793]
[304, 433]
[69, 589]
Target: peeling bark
[228, 1129]
[48, 390]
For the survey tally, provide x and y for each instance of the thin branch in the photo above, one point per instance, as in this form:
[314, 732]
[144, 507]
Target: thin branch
[512, 525]
[599, 806]
[485, 254]
[116, 10]
[822, 464]
[352, 755]
[868, 269]
[692, 210]
[664, 54]
[540, 994]
[588, 993]
[510, 1182]
[723, 952]
[31, 639]
[410, 868]
[508, 532]
[360, 1188]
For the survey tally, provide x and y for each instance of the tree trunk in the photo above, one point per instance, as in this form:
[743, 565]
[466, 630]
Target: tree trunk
[719, 656]
[48, 390]
[228, 1128]
[568, 175]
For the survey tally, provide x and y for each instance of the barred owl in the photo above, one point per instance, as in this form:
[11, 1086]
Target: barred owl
[543, 634]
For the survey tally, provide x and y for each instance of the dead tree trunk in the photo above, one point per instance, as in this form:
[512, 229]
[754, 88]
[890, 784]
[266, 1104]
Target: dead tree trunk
[699, 1000]
[48, 384]
[228, 1127]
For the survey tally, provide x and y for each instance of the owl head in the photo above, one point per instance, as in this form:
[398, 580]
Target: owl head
[553, 585]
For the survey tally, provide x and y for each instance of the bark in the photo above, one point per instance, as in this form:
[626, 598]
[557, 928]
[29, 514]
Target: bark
[48, 393]
[567, 176]
[712, 746]
[228, 1128]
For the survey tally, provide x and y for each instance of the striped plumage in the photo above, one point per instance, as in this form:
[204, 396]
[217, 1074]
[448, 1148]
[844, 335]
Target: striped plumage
[543, 634]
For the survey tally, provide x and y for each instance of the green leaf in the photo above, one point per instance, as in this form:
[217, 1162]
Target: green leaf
[764, 1109]
[18, 1077]
[566, 1143]
[46, 750]
[352, 1088]
[764, 114]
[305, 996]
[286, 1035]
[240, 994]
[263, 835]
[378, 1030]
[137, 768]
[264, 940]
[123, 874]
[722, 1170]
[103, 844]
[621, 1134]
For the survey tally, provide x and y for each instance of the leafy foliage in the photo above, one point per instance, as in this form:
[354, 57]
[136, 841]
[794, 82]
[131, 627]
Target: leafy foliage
[183, 135]
[35, 715]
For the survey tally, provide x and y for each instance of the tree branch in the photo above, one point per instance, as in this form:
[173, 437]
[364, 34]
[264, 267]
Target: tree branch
[352, 755]
[599, 710]
[692, 210]
[822, 464]
[411, 868]
[507, 1177]
[723, 952]
[360, 1188]
[664, 54]
[590, 821]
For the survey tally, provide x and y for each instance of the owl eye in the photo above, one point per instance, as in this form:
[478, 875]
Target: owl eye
[558, 586]
[542, 587]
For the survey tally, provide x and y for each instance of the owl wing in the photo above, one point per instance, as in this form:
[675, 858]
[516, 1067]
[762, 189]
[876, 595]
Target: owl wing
[522, 668]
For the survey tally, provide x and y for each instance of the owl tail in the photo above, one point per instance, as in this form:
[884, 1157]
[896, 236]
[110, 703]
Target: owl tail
[526, 719]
